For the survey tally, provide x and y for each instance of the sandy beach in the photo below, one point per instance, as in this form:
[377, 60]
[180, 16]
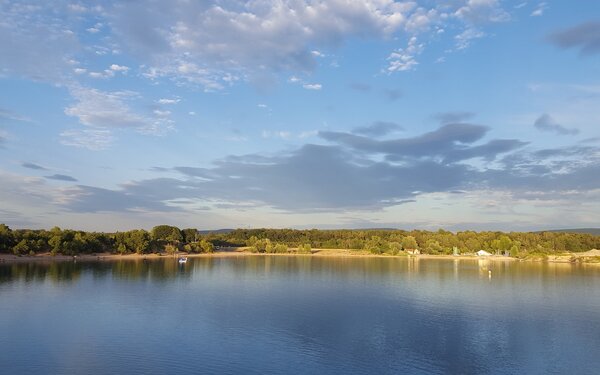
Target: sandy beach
[586, 257]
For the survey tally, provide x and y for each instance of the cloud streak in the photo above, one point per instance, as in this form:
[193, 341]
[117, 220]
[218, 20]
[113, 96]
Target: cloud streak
[546, 123]
[337, 178]
[377, 129]
[61, 177]
[34, 166]
[585, 37]
[449, 143]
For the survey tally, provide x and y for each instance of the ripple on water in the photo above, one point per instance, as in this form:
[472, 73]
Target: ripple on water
[280, 315]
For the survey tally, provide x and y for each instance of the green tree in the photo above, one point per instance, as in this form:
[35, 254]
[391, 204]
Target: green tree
[6, 239]
[22, 248]
[376, 245]
[139, 241]
[409, 243]
[251, 241]
[190, 235]
[167, 233]
[502, 244]
[121, 249]
[304, 249]
[394, 247]
[261, 246]
[514, 251]
[433, 247]
[280, 248]
[170, 249]
[206, 246]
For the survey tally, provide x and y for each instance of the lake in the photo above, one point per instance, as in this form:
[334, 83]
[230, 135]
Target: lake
[299, 314]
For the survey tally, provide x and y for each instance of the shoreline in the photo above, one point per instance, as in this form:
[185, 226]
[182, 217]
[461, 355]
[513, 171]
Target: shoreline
[571, 258]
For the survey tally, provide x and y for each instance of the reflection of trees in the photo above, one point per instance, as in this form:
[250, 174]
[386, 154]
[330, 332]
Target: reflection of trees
[156, 270]
[299, 268]
[38, 272]
[65, 272]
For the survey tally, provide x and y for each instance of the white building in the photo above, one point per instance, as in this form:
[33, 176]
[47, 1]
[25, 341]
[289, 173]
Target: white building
[483, 253]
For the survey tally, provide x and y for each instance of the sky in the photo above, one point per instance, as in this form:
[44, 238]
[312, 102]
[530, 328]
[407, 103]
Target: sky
[427, 114]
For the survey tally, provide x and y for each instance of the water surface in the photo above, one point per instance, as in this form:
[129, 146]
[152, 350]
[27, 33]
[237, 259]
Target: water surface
[311, 315]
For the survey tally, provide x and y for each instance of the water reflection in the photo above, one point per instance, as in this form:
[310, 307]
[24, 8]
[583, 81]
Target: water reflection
[299, 314]
[157, 270]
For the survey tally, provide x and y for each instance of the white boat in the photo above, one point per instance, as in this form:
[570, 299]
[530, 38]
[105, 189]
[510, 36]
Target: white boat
[182, 260]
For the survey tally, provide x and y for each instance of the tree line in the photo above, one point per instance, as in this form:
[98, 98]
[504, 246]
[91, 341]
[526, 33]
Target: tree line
[161, 239]
[169, 239]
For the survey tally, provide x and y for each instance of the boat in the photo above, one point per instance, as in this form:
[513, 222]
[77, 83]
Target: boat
[182, 260]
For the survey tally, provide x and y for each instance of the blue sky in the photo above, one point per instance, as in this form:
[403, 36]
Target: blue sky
[465, 114]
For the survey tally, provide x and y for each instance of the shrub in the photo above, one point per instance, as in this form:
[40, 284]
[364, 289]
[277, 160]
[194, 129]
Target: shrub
[170, 249]
[280, 248]
[304, 249]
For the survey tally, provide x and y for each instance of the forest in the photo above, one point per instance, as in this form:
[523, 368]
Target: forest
[170, 239]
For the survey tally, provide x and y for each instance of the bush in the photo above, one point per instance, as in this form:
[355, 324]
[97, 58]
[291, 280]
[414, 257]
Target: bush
[280, 248]
[376, 245]
[304, 249]
[394, 248]
[170, 249]
[206, 246]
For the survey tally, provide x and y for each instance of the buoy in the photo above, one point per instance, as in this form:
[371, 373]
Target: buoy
[490, 274]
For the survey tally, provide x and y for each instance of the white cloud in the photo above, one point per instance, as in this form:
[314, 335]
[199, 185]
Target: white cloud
[405, 59]
[101, 109]
[106, 73]
[102, 75]
[160, 113]
[40, 47]
[276, 134]
[95, 29]
[91, 139]
[464, 39]
[286, 135]
[421, 20]
[191, 73]
[539, 10]
[482, 11]
[214, 44]
[77, 8]
[166, 101]
[312, 86]
[80, 71]
[119, 68]
[198, 43]
[110, 110]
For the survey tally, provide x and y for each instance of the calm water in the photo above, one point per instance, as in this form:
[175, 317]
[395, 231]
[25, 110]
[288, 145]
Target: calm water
[280, 315]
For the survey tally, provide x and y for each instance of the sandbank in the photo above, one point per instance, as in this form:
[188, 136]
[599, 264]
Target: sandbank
[589, 257]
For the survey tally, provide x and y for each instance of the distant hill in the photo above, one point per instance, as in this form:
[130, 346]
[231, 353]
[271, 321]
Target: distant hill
[594, 231]
[216, 231]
